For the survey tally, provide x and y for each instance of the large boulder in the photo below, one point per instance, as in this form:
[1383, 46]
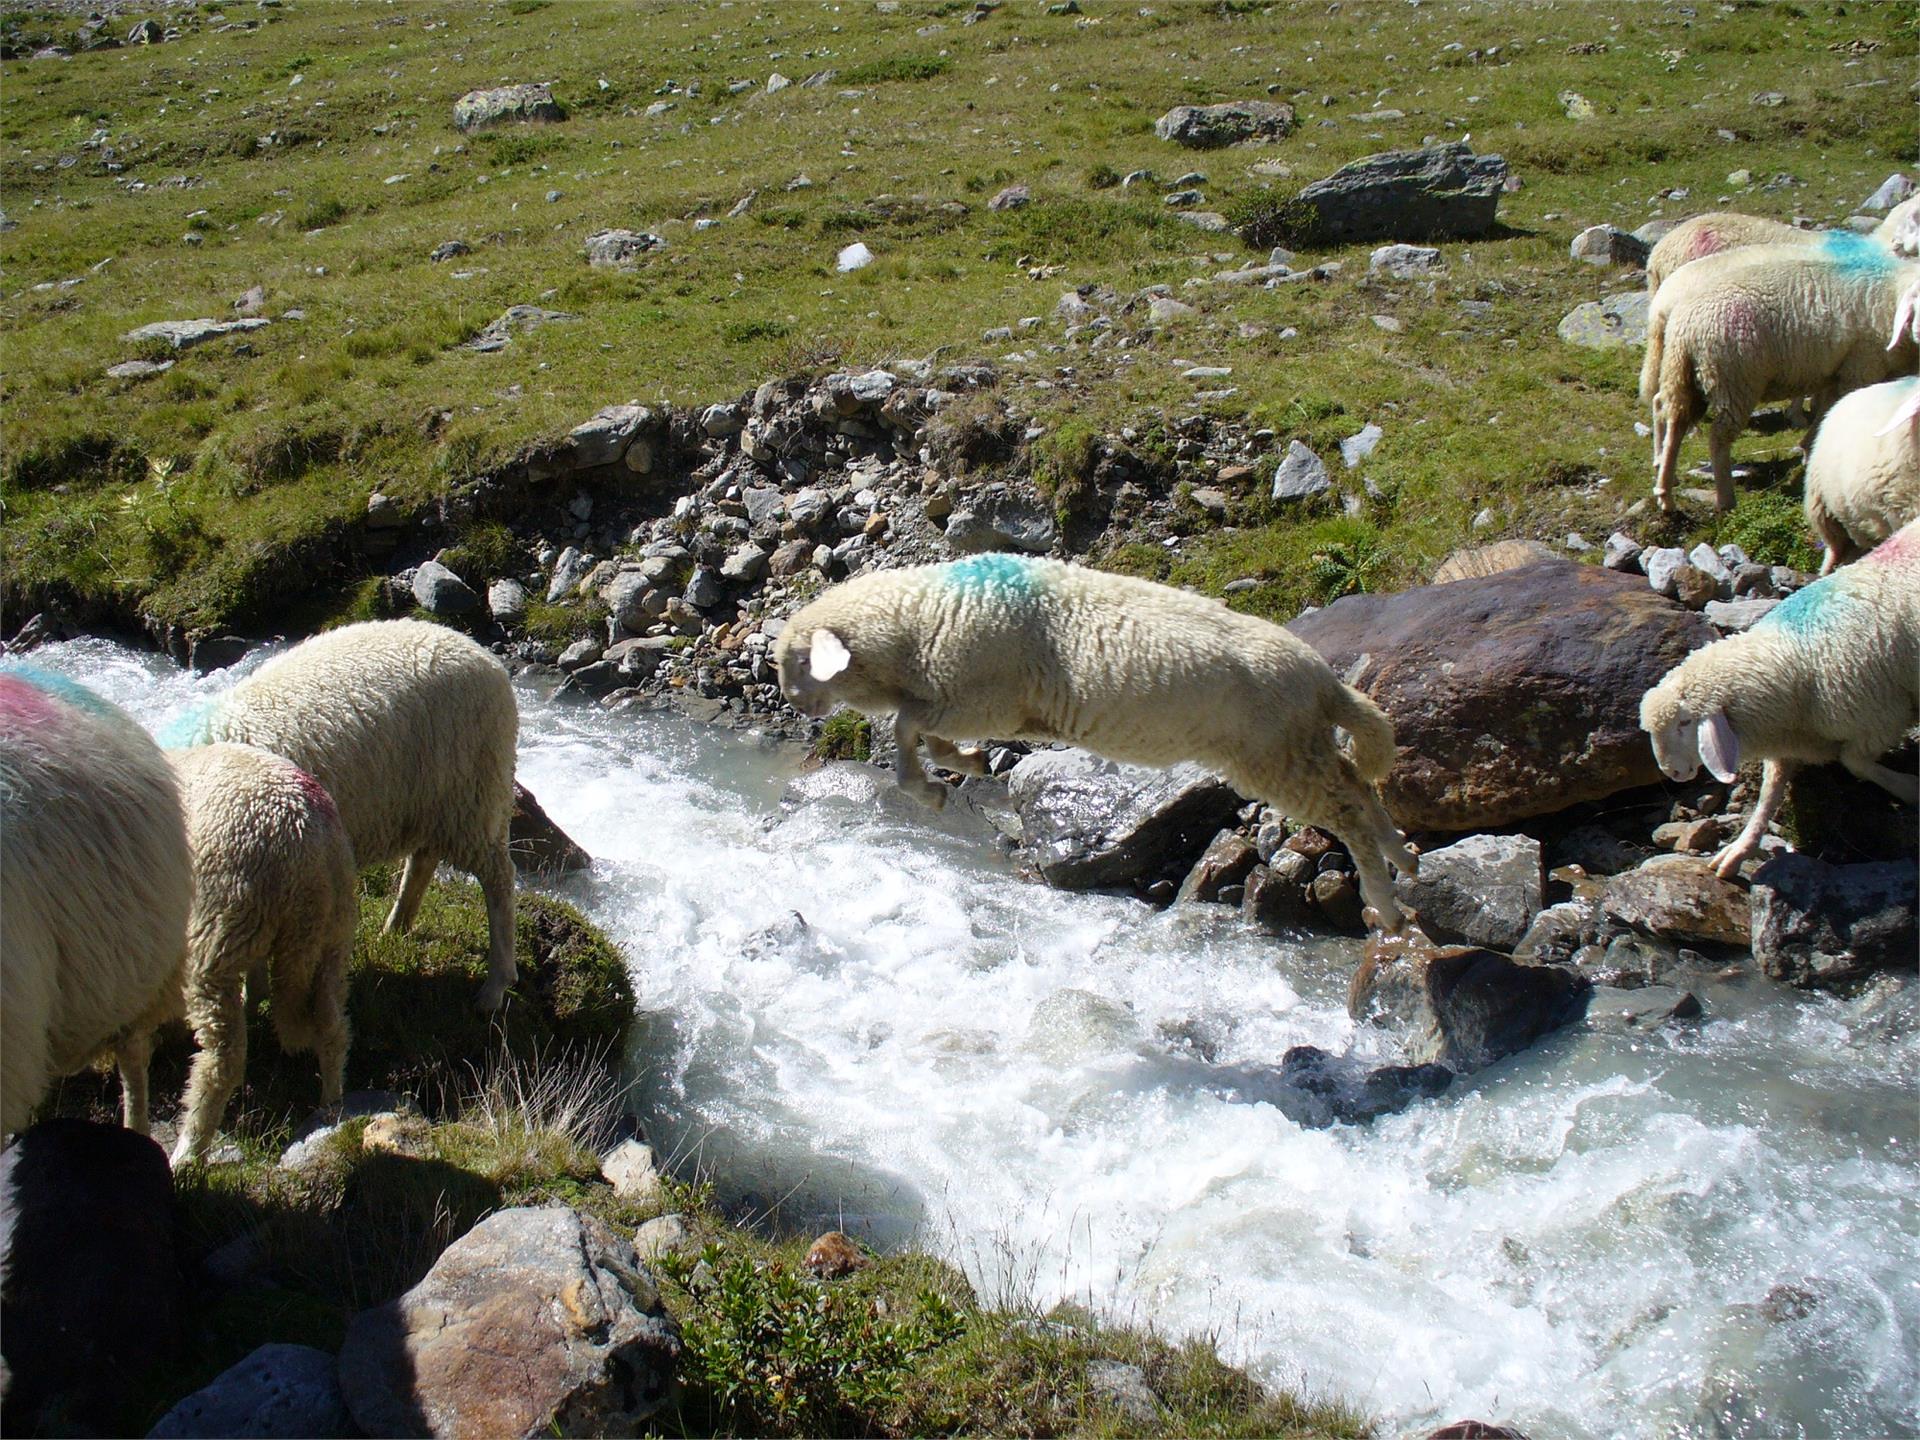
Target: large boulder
[1483, 890]
[1824, 925]
[535, 1322]
[996, 518]
[90, 1293]
[1441, 191]
[478, 109]
[1461, 1006]
[1679, 898]
[278, 1391]
[1207, 127]
[1091, 824]
[1513, 695]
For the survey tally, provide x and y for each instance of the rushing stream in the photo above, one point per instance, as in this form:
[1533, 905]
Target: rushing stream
[1070, 1095]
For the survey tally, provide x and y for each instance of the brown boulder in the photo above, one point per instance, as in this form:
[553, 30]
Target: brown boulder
[1514, 694]
[1461, 1006]
[1679, 898]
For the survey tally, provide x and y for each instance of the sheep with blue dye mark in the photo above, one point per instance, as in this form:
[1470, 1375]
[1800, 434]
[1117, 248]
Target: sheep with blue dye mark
[411, 728]
[1704, 235]
[1002, 647]
[1766, 323]
[1832, 673]
[95, 883]
[1863, 475]
[274, 900]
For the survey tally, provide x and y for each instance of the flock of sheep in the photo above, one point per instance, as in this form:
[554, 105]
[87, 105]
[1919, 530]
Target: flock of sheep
[139, 886]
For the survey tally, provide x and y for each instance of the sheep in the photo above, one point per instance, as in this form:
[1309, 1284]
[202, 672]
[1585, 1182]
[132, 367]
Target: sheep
[411, 728]
[1009, 647]
[1906, 326]
[1863, 475]
[1703, 235]
[274, 896]
[1831, 673]
[1766, 323]
[95, 885]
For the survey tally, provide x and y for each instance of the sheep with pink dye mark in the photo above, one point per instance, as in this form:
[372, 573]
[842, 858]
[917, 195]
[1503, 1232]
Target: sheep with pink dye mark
[95, 884]
[274, 899]
[1831, 674]
[1705, 235]
[1767, 323]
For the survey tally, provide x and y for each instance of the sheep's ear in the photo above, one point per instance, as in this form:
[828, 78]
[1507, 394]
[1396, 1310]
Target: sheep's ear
[1719, 746]
[827, 656]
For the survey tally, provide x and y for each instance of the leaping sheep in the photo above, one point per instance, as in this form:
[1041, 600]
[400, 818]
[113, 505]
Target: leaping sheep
[411, 728]
[1002, 647]
[1831, 673]
[95, 882]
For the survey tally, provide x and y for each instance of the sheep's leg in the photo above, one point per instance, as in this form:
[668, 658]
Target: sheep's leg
[1720, 438]
[908, 771]
[494, 871]
[961, 759]
[1773, 790]
[133, 1052]
[415, 876]
[1904, 788]
[218, 1014]
[1671, 433]
[310, 1012]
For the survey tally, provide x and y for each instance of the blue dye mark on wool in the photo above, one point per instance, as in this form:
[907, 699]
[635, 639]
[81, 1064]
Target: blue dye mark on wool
[1807, 609]
[188, 728]
[1856, 255]
[991, 572]
[72, 692]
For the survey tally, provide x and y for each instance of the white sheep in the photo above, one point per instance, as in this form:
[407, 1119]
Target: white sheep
[999, 646]
[95, 883]
[1863, 475]
[1766, 323]
[1831, 673]
[1906, 327]
[1704, 235]
[411, 728]
[274, 899]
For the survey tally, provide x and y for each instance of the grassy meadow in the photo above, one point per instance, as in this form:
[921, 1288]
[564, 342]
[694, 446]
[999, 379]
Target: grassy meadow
[308, 149]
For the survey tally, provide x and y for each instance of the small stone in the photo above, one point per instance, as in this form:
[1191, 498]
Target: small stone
[662, 1237]
[1125, 1389]
[853, 257]
[1301, 474]
[1404, 262]
[1356, 448]
[1622, 553]
[630, 1169]
[1693, 587]
[1894, 190]
[1661, 564]
[1011, 198]
[1609, 245]
[834, 1255]
[438, 590]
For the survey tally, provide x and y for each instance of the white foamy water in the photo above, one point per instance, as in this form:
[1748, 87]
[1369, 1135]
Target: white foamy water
[1707, 1231]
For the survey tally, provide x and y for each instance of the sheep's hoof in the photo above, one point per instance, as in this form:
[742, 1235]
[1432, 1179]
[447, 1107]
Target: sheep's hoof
[490, 997]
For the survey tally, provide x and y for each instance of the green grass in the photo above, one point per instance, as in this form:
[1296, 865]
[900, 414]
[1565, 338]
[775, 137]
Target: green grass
[844, 735]
[278, 436]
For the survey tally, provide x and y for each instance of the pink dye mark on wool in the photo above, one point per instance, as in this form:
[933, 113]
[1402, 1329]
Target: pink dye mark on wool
[1902, 548]
[1704, 241]
[318, 797]
[1740, 320]
[26, 706]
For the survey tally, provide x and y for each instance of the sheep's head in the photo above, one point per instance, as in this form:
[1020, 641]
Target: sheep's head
[809, 665]
[1684, 738]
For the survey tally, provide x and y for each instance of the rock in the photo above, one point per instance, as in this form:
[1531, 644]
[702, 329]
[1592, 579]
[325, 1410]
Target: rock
[1731, 617]
[664, 1235]
[1479, 560]
[1606, 324]
[1438, 192]
[1644, 1008]
[791, 559]
[1512, 695]
[440, 591]
[1403, 262]
[1460, 1006]
[182, 334]
[1483, 890]
[1609, 245]
[744, 565]
[602, 439]
[1227, 861]
[1337, 898]
[1679, 898]
[1556, 932]
[638, 658]
[538, 845]
[703, 588]
[479, 109]
[630, 1169]
[146, 32]
[90, 1293]
[1275, 897]
[138, 369]
[581, 653]
[1089, 823]
[535, 1322]
[1208, 127]
[620, 249]
[1474, 1430]
[834, 1255]
[1622, 553]
[217, 652]
[499, 333]
[1693, 587]
[996, 518]
[1661, 564]
[449, 250]
[277, 1391]
[1211, 221]
[568, 571]
[1301, 474]
[507, 601]
[1324, 1089]
[1895, 189]
[1124, 1389]
[1011, 198]
[853, 257]
[1831, 926]
[1356, 448]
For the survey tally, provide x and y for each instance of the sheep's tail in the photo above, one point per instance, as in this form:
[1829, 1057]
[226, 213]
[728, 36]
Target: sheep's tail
[1372, 745]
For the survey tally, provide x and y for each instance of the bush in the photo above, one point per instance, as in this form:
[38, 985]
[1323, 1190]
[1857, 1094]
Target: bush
[899, 67]
[1265, 219]
[844, 735]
